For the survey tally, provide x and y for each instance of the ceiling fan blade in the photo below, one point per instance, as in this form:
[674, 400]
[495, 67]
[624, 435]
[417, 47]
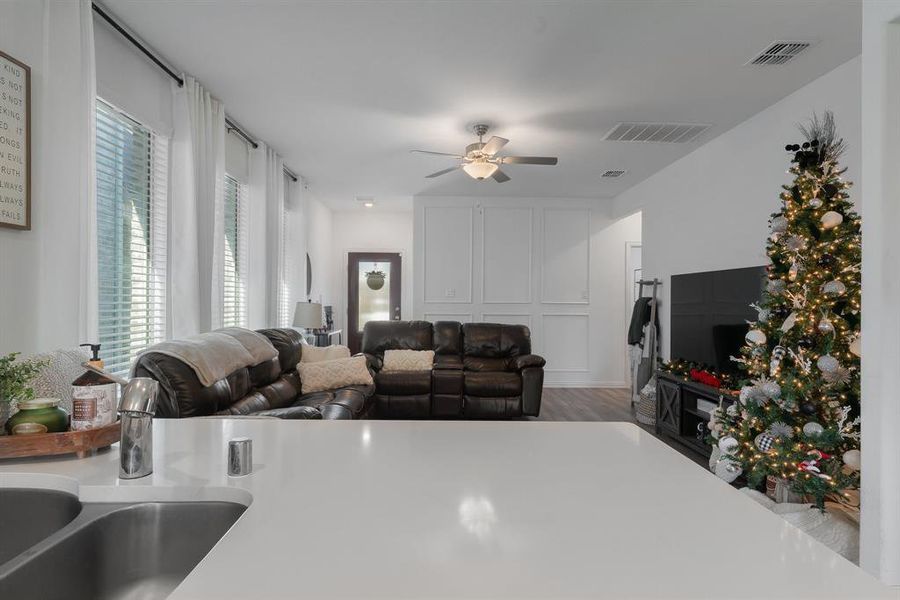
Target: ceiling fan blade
[499, 176]
[494, 145]
[443, 172]
[436, 153]
[529, 160]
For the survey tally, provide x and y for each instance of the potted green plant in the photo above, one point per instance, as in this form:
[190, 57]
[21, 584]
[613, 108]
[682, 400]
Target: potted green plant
[375, 279]
[15, 382]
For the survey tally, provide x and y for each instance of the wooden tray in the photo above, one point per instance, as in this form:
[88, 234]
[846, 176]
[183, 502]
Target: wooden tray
[80, 443]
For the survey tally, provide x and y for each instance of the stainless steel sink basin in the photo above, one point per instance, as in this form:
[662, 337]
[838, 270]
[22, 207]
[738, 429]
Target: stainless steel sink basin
[28, 516]
[133, 551]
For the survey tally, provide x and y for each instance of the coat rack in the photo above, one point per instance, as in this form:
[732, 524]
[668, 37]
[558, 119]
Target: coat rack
[655, 283]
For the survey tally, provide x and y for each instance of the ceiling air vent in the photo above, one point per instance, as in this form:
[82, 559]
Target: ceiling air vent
[675, 133]
[612, 173]
[779, 53]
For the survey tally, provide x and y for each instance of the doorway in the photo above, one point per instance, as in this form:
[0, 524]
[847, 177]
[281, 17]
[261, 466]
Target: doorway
[373, 292]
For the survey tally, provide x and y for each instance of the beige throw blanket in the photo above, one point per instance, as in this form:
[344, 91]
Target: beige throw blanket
[212, 356]
[258, 345]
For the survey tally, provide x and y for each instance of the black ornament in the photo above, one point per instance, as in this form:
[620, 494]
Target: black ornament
[788, 148]
[814, 143]
[807, 408]
[805, 145]
[826, 260]
[830, 190]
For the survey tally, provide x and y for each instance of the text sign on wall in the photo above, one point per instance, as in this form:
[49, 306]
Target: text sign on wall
[15, 146]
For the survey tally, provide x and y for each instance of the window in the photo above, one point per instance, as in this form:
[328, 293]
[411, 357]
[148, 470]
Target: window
[283, 316]
[132, 174]
[234, 297]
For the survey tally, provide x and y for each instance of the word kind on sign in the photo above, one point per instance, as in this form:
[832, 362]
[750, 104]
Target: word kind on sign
[15, 133]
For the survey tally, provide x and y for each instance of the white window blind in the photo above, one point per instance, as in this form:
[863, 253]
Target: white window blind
[284, 287]
[234, 298]
[132, 181]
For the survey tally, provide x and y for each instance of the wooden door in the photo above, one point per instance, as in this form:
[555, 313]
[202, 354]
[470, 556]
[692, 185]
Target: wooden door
[373, 292]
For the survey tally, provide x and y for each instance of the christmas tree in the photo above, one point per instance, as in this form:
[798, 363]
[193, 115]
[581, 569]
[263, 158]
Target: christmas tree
[797, 416]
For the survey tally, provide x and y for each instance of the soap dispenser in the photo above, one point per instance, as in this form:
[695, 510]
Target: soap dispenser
[94, 397]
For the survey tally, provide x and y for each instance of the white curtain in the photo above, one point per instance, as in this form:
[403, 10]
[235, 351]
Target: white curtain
[87, 191]
[274, 174]
[294, 282]
[197, 205]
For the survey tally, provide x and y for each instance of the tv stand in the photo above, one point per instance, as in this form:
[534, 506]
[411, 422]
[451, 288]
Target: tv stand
[682, 410]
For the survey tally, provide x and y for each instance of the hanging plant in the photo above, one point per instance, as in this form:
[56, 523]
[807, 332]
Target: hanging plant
[375, 280]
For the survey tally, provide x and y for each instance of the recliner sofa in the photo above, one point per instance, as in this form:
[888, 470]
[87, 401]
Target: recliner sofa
[480, 371]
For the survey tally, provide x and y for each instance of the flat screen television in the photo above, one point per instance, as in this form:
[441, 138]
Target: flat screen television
[709, 313]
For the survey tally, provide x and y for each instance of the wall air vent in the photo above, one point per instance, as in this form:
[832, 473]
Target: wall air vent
[612, 173]
[779, 53]
[674, 133]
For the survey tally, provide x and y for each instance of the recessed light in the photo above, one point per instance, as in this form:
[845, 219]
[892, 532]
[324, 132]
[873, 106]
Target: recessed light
[368, 204]
[367, 201]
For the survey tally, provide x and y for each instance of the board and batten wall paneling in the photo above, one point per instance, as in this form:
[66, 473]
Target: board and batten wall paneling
[448, 238]
[566, 342]
[443, 316]
[506, 258]
[509, 319]
[565, 273]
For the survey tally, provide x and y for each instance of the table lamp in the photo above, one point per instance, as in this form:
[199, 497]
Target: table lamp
[308, 315]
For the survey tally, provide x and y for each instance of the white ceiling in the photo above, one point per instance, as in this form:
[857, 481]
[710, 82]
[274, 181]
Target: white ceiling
[343, 90]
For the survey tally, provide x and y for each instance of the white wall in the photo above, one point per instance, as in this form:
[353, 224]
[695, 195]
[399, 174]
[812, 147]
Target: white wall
[880, 518]
[370, 230]
[710, 209]
[556, 265]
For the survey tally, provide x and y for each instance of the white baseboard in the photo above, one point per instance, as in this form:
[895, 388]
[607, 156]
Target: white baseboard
[585, 384]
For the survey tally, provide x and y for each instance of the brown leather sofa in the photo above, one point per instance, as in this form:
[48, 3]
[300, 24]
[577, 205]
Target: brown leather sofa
[481, 370]
[268, 389]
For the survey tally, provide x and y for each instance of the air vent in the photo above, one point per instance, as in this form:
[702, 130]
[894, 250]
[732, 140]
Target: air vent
[674, 133]
[779, 53]
[612, 173]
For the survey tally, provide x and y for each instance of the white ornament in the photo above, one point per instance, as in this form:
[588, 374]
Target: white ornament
[834, 288]
[853, 459]
[779, 224]
[728, 444]
[794, 271]
[747, 394]
[789, 322]
[728, 470]
[813, 428]
[775, 286]
[856, 346]
[828, 363]
[815, 202]
[795, 243]
[831, 219]
[732, 410]
[771, 389]
[756, 337]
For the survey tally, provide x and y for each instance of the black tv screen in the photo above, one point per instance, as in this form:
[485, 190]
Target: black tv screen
[709, 313]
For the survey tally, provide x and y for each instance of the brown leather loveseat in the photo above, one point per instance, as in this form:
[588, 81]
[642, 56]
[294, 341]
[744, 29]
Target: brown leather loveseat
[480, 371]
[270, 389]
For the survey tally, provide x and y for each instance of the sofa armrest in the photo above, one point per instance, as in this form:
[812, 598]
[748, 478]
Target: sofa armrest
[526, 361]
[374, 363]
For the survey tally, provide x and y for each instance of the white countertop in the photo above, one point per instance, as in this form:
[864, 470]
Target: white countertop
[413, 509]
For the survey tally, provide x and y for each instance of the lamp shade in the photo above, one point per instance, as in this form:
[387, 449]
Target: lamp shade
[308, 315]
[480, 168]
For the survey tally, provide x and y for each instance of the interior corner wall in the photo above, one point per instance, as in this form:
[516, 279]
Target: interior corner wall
[880, 92]
[557, 265]
[40, 269]
[709, 210]
[319, 247]
[370, 230]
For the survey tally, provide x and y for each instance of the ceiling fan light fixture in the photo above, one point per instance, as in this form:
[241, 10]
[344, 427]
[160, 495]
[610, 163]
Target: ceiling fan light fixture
[480, 168]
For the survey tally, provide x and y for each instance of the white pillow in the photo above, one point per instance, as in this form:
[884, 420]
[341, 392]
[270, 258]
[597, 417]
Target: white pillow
[309, 354]
[408, 360]
[333, 374]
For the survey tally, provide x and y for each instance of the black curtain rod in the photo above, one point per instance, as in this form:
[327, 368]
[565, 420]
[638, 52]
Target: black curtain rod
[149, 54]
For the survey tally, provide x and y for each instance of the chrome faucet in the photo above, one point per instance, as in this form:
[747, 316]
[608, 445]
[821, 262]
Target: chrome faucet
[136, 409]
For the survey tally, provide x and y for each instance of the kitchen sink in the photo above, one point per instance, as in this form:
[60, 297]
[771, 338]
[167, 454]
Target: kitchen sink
[28, 516]
[119, 551]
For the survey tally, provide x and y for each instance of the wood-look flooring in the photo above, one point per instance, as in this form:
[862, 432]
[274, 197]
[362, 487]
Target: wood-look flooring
[599, 404]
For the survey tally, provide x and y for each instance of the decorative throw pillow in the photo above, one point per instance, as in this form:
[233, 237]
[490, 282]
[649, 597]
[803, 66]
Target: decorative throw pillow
[333, 374]
[408, 360]
[310, 354]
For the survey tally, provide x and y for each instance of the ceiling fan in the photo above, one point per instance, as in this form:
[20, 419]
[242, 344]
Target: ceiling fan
[480, 160]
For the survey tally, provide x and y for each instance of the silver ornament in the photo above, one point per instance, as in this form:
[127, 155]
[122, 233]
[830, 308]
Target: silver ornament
[813, 428]
[828, 363]
[747, 394]
[831, 219]
[771, 389]
[755, 336]
[853, 459]
[815, 203]
[781, 430]
[840, 376]
[727, 445]
[856, 346]
[789, 322]
[775, 286]
[779, 224]
[794, 271]
[834, 288]
[825, 326]
[728, 470]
